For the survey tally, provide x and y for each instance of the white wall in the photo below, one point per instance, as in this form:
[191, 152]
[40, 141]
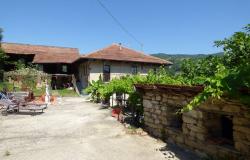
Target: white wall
[117, 69]
[95, 70]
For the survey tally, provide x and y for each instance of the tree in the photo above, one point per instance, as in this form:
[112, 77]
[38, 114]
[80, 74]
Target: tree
[1, 36]
[237, 60]
[3, 56]
[231, 78]
[236, 48]
[197, 70]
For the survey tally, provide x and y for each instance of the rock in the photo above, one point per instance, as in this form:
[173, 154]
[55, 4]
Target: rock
[163, 119]
[155, 116]
[241, 121]
[231, 109]
[158, 111]
[158, 98]
[148, 120]
[150, 94]
[247, 115]
[242, 147]
[157, 121]
[164, 99]
[195, 114]
[185, 130]
[197, 129]
[147, 114]
[242, 129]
[147, 103]
[171, 102]
[248, 137]
[201, 137]
[163, 108]
[190, 120]
[154, 102]
[146, 97]
[210, 106]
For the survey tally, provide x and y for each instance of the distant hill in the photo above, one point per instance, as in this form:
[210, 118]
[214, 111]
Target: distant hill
[184, 56]
[178, 58]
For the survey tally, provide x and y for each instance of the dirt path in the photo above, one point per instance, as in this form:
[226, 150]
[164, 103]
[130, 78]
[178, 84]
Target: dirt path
[74, 130]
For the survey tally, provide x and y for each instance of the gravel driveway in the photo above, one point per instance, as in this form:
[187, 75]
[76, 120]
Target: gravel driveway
[73, 130]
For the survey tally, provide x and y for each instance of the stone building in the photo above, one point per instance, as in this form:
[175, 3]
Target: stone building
[217, 127]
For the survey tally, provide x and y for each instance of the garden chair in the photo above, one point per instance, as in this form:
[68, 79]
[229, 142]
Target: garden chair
[13, 105]
[7, 104]
[32, 107]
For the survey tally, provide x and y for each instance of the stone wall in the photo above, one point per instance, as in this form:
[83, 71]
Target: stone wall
[217, 127]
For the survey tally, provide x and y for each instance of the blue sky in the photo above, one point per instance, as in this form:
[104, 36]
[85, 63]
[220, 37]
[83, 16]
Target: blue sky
[170, 26]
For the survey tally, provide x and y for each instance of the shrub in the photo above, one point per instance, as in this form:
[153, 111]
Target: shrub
[26, 77]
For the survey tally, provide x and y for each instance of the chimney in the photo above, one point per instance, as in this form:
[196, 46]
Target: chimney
[120, 45]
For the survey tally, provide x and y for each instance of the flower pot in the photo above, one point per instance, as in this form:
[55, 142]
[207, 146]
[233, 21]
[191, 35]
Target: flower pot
[116, 111]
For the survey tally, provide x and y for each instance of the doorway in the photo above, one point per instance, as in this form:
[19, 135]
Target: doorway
[106, 73]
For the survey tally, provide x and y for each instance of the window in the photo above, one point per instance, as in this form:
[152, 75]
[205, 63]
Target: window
[175, 120]
[40, 67]
[134, 69]
[64, 68]
[220, 129]
[106, 73]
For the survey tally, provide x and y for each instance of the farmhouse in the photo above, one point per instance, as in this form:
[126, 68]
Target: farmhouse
[50, 59]
[65, 64]
[115, 61]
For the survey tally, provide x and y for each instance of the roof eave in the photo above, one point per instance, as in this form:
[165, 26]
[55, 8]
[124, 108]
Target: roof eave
[161, 63]
[51, 62]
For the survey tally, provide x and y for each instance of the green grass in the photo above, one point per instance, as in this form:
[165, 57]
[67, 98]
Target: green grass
[40, 91]
[64, 93]
[59, 92]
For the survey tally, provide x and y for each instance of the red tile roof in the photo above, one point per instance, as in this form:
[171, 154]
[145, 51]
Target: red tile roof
[119, 53]
[43, 54]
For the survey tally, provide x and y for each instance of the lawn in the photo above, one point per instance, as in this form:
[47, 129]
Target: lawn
[40, 91]
[64, 93]
[58, 92]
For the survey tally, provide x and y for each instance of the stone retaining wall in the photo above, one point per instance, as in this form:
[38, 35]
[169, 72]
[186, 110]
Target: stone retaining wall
[220, 127]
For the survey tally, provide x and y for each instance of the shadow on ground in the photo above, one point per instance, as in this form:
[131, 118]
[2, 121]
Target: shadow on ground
[174, 152]
[4, 113]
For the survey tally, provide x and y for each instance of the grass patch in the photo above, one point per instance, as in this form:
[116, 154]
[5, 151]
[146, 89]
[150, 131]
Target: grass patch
[41, 91]
[58, 92]
[64, 93]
